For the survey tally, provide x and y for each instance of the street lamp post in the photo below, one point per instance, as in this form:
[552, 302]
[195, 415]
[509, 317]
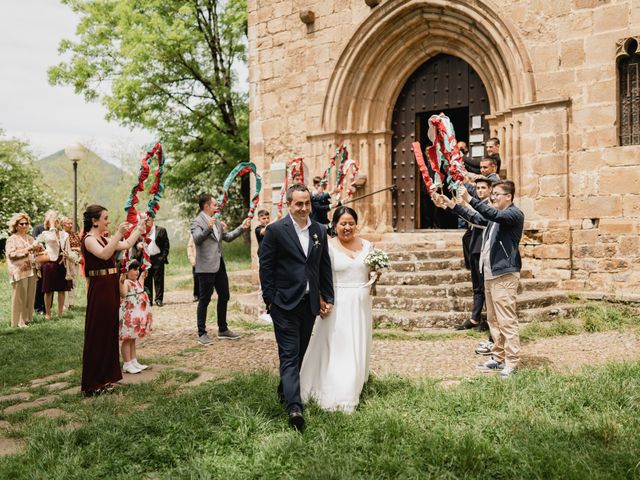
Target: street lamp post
[75, 152]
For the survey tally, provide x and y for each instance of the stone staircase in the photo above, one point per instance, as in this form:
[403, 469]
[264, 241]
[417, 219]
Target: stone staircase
[427, 285]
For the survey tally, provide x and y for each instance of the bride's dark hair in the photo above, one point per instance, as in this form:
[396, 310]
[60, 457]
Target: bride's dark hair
[339, 212]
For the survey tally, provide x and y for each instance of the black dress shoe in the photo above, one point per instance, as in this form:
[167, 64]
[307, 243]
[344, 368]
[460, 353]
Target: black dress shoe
[484, 327]
[158, 303]
[296, 419]
[466, 325]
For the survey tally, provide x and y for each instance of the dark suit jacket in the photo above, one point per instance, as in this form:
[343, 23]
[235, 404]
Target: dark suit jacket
[285, 271]
[162, 240]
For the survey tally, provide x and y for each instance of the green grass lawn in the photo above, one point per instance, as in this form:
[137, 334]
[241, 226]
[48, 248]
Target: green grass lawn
[536, 425]
[237, 256]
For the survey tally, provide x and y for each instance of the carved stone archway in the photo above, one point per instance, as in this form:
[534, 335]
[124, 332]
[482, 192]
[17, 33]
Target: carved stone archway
[387, 48]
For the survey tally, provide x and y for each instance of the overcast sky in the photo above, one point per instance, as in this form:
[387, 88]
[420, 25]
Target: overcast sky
[48, 117]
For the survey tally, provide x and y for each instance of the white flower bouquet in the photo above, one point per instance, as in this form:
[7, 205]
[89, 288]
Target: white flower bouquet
[377, 260]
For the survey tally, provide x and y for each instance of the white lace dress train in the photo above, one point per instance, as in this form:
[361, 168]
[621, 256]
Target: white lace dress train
[336, 364]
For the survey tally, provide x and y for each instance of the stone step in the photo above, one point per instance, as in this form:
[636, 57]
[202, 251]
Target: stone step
[429, 239]
[437, 277]
[463, 304]
[412, 255]
[244, 277]
[530, 305]
[428, 265]
[250, 304]
[413, 320]
[424, 278]
[456, 289]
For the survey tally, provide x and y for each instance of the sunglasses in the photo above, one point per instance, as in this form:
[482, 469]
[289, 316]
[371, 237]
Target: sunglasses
[23, 223]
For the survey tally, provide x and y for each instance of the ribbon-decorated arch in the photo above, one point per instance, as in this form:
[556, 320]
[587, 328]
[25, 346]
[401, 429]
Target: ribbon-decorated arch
[346, 174]
[444, 156]
[296, 166]
[153, 205]
[238, 171]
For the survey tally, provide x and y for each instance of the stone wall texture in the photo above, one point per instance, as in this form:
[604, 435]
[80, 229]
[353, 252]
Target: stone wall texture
[549, 67]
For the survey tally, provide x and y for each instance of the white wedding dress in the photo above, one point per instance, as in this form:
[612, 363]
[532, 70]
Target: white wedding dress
[336, 363]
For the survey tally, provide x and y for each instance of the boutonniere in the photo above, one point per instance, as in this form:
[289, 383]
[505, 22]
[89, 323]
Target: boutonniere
[316, 242]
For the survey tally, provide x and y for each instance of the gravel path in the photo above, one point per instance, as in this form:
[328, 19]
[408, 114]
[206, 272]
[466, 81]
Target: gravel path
[174, 336]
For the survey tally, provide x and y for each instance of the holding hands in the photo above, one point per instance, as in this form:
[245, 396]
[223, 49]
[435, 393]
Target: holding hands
[325, 308]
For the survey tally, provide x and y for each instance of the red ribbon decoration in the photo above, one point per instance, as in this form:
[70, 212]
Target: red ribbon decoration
[445, 152]
[295, 166]
[133, 217]
[417, 152]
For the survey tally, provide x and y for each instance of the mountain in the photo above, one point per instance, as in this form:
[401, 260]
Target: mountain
[98, 182]
[103, 183]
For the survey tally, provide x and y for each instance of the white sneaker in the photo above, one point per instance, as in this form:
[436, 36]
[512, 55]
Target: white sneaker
[490, 366]
[139, 365]
[129, 367]
[265, 317]
[507, 371]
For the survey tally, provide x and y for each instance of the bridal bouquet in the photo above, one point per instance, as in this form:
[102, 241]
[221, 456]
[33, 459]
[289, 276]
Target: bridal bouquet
[377, 260]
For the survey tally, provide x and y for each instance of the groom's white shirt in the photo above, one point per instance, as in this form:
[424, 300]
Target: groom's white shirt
[303, 238]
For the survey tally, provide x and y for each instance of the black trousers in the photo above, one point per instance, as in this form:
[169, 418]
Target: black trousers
[38, 304]
[293, 331]
[207, 283]
[155, 277]
[196, 283]
[477, 280]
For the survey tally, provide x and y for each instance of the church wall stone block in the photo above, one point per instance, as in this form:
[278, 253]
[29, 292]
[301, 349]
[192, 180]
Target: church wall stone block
[550, 73]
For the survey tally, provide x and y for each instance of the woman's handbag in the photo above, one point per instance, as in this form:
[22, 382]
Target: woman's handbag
[42, 257]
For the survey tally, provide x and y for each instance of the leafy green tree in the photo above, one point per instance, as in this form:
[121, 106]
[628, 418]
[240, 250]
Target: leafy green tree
[167, 66]
[21, 187]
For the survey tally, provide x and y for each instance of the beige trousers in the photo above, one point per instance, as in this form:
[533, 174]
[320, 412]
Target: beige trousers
[500, 295]
[70, 297]
[23, 294]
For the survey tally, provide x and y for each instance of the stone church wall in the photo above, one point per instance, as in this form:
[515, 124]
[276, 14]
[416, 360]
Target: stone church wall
[550, 70]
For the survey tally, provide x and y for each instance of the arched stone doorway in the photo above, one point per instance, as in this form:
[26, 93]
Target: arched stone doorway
[447, 84]
[373, 68]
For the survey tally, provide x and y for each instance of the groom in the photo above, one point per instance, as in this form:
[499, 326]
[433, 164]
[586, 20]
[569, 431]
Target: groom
[297, 285]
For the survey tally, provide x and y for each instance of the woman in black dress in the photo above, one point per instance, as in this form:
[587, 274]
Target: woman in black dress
[100, 357]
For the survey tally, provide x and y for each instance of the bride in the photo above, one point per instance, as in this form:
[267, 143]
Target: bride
[336, 363]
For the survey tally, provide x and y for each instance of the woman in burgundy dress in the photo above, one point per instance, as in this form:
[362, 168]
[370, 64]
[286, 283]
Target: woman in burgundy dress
[100, 357]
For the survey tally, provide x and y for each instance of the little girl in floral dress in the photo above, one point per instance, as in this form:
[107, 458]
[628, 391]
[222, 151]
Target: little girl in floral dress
[135, 315]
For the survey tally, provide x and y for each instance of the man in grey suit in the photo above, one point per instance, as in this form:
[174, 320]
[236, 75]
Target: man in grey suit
[208, 233]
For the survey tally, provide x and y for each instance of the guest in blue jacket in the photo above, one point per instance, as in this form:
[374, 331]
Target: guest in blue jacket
[500, 263]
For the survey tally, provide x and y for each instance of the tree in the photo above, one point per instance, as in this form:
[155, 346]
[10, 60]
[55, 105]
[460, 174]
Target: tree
[167, 65]
[21, 185]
